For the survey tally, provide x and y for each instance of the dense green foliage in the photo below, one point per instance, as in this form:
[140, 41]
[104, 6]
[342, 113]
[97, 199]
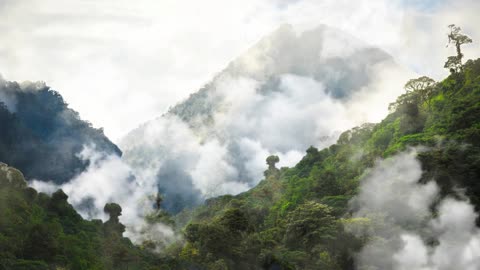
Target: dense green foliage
[38, 232]
[41, 136]
[296, 217]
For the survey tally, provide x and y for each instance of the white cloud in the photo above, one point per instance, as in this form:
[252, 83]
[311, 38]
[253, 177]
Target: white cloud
[406, 234]
[285, 94]
[121, 63]
[108, 179]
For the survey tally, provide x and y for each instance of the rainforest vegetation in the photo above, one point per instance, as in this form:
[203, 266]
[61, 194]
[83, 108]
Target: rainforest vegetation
[295, 218]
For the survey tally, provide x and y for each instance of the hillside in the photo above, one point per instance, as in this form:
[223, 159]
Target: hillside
[319, 214]
[39, 232]
[302, 217]
[403, 193]
[42, 136]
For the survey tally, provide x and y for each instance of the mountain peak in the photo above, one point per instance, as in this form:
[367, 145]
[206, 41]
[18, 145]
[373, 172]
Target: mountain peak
[303, 53]
[289, 91]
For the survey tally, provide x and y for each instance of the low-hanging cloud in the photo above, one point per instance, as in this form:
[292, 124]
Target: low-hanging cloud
[288, 92]
[406, 234]
[109, 179]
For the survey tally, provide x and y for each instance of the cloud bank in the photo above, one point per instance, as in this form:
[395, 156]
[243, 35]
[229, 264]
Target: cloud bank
[406, 234]
[290, 91]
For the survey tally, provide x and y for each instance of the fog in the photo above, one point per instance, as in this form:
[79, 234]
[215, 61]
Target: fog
[288, 92]
[406, 234]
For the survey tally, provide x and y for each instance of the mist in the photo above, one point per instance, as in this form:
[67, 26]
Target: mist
[412, 226]
[108, 179]
[292, 90]
[131, 61]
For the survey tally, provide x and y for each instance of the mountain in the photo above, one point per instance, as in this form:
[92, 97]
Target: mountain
[289, 91]
[400, 194]
[324, 54]
[42, 136]
[409, 183]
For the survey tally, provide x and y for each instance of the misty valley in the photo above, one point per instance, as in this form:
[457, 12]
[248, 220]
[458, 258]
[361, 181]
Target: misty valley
[312, 149]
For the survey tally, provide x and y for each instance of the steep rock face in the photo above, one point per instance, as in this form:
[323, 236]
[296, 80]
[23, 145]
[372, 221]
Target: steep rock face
[41, 136]
[289, 91]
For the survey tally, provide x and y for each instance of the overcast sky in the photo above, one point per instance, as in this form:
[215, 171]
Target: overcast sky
[121, 63]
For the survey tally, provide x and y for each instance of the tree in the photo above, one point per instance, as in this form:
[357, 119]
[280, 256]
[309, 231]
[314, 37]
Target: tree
[455, 37]
[114, 210]
[310, 224]
[235, 220]
[419, 84]
[454, 63]
[42, 241]
[272, 170]
[407, 103]
[418, 90]
[422, 86]
[158, 201]
[271, 161]
[59, 204]
[113, 225]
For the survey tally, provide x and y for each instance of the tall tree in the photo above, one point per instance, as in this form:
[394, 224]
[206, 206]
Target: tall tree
[456, 38]
[423, 87]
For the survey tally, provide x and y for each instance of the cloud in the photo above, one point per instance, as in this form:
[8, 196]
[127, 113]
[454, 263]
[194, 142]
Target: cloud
[286, 93]
[406, 234]
[187, 169]
[115, 60]
[108, 179]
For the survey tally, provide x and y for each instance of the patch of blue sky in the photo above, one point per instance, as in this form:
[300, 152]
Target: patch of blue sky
[422, 5]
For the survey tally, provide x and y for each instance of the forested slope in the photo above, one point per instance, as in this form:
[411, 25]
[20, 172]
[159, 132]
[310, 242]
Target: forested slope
[296, 217]
[40, 232]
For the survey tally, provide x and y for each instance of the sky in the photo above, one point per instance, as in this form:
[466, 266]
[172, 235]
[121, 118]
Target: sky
[120, 63]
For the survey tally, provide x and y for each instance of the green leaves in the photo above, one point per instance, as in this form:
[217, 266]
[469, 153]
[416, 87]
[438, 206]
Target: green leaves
[456, 38]
[42, 232]
[307, 225]
[310, 224]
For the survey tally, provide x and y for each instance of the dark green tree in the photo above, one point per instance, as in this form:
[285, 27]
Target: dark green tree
[310, 224]
[113, 225]
[271, 161]
[235, 220]
[272, 169]
[457, 39]
[114, 210]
